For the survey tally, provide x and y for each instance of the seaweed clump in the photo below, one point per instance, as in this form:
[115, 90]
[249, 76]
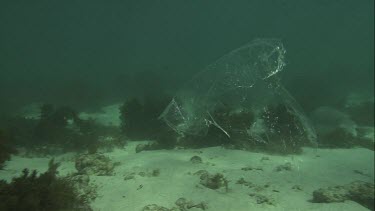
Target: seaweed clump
[235, 124]
[55, 125]
[274, 130]
[132, 116]
[58, 130]
[17, 130]
[62, 127]
[44, 192]
[140, 120]
[5, 149]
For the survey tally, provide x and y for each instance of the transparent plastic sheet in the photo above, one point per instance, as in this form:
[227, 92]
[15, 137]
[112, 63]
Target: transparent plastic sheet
[245, 79]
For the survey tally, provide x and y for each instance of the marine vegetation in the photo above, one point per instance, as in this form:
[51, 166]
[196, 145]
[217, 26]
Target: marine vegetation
[278, 131]
[53, 126]
[57, 130]
[62, 127]
[33, 192]
[139, 119]
[132, 117]
[5, 149]
[18, 130]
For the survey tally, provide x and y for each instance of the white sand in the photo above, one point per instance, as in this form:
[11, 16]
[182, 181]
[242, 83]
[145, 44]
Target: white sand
[311, 170]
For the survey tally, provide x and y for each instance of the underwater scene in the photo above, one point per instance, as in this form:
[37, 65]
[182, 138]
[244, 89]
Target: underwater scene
[176, 105]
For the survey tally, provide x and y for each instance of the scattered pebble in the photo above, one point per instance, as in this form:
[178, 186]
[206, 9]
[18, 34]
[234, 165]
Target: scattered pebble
[242, 181]
[94, 164]
[262, 199]
[214, 181]
[154, 207]
[140, 147]
[285, 167]
[129, 176]
[196, 159]
[184, 204]
[264, 158]
[201, 172]
[155, 172]
[252, 168]
[297, 187]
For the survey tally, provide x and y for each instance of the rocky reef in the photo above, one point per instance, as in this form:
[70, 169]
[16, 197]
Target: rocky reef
[358, 191]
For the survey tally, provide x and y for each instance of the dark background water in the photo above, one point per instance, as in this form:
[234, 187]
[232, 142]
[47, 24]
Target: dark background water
[86, 53]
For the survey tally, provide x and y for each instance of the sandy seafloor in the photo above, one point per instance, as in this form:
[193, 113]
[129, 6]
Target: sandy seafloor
[311, 170]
